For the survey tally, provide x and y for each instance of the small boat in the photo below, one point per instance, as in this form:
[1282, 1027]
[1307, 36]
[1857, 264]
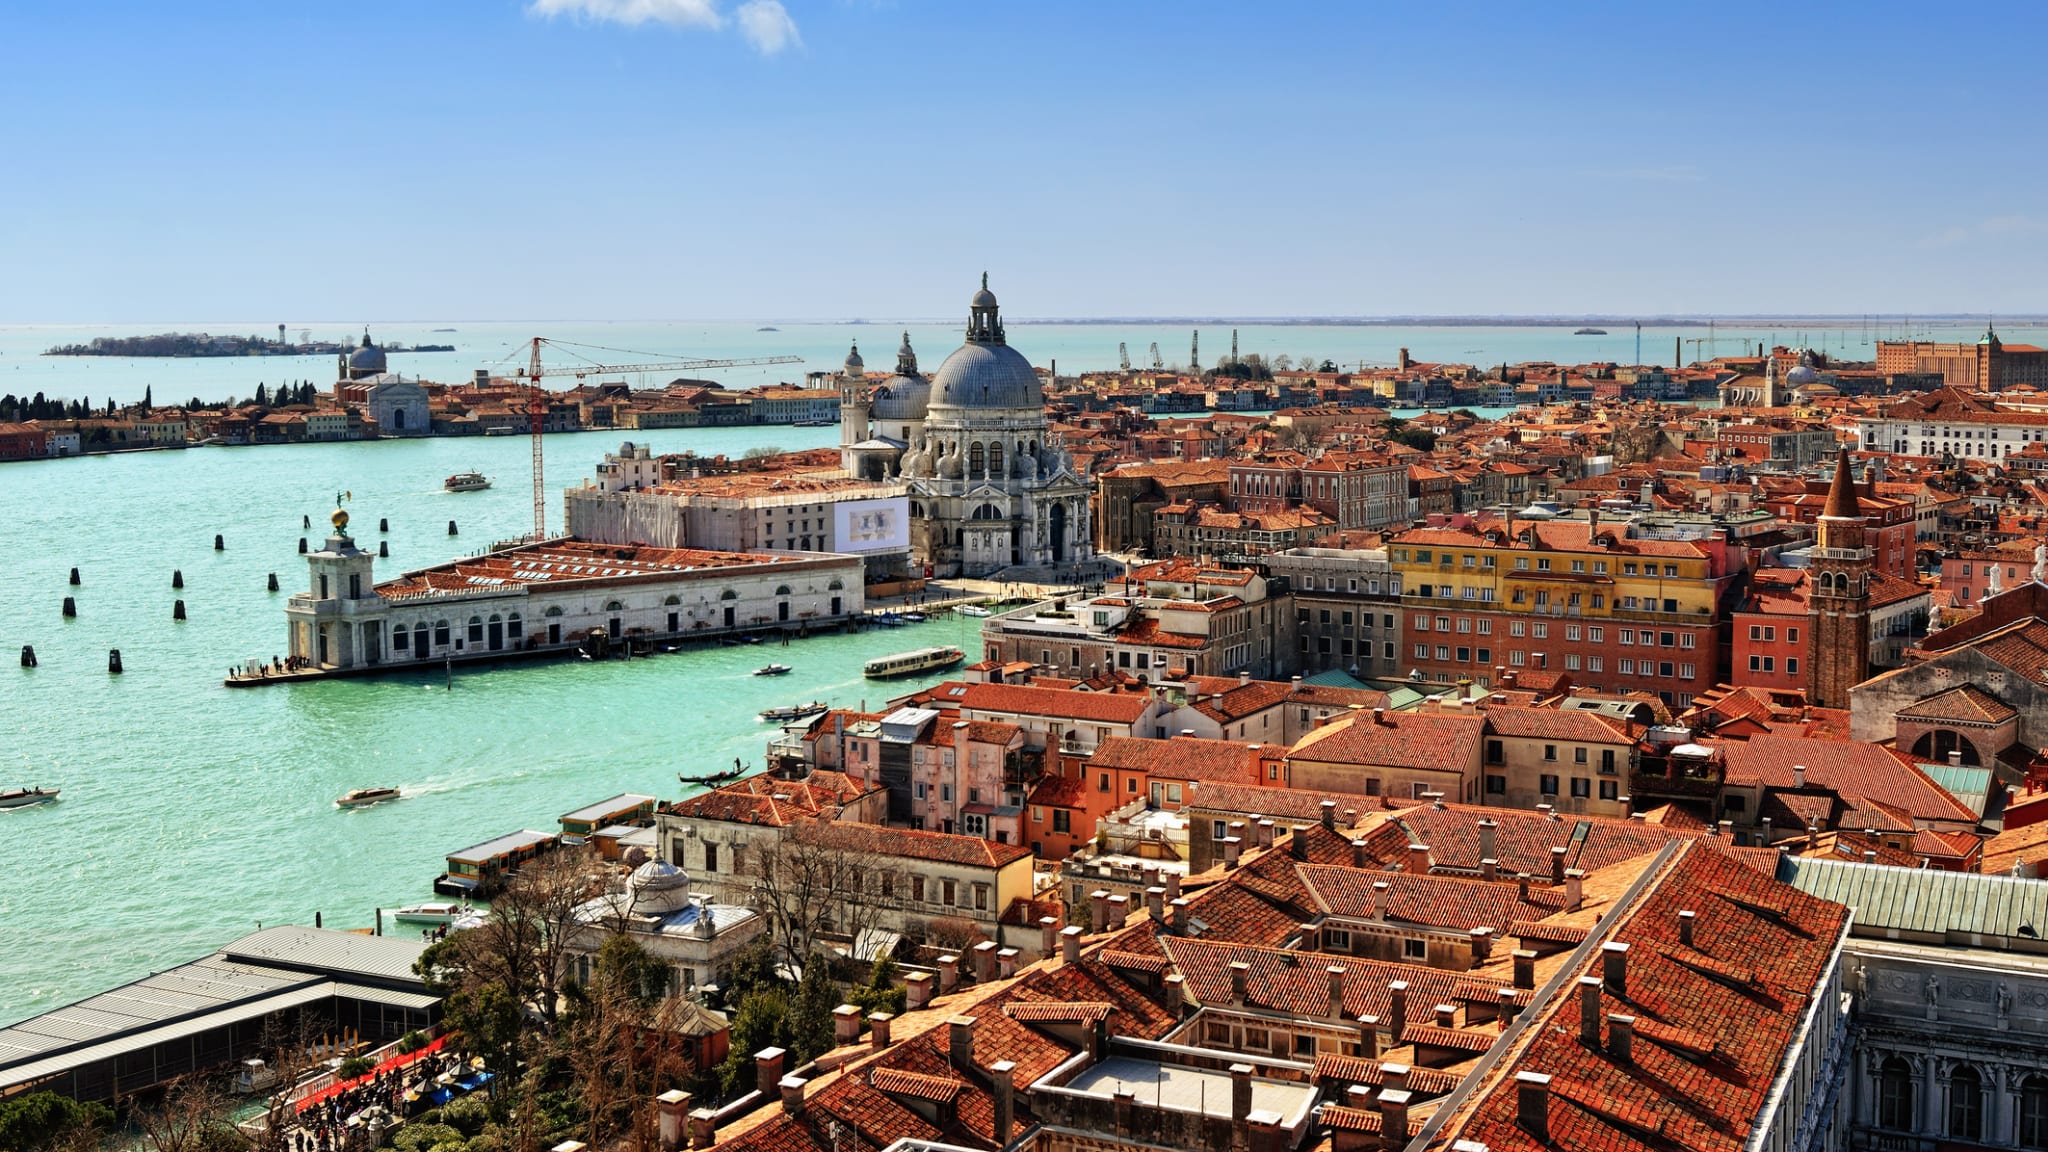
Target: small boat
[466, 482]
[913, 617]
[750, 638]
[431, 912]
[1591, 332]
[735, 772]
[974, 610]
[814, 423]
[23, 797]
[768, 329]
[504, 430]
[364, 797]
[773, 670]
[912, 663]
[889, 620]
[791, 712]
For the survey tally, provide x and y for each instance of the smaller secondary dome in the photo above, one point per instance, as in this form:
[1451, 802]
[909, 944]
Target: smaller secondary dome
[367, 358]
[658, 888]
[854, 364]
[983, 298]
[1803, 373]
[905, 395]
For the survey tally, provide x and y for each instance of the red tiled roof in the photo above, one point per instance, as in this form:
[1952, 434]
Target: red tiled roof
[897, 1082]
[1854, 771]
[1554, 724]
[1017, 700]
[1446, 742]
[939, 847]
[1434, 901]
[1184, 758]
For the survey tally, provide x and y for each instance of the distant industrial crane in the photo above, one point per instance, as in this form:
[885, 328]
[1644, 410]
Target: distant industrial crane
[1123, 355]
[537, 399]
[1706, 344]
[1195, 355]
[1157, 363]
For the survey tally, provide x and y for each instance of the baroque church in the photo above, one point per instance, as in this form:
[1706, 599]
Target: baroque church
[989, 485]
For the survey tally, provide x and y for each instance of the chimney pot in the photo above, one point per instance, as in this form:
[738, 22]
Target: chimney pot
[1418, 859]
[1589, 1011]
[1509, 1006]
[949, 974]
[673, 1118]
[1446, 1015]
[1297, 844]
[918, 989]
[960, 1042]
[1048, 934]
[1329, 808]
[1525, 968]
[1117, 904]
[1176, 991]
[1240, 1095]
[1369, 1037]
[1489, 869]
[1098, 908]
[1532, 1104]
[1685, 922]
[1557, 854]
[1799, 775]
[1336, 973]
[1232, 848]
[1310, 938]
[1240, 973]
[792, 1088]
[845, 1024]
[1003, 1073]
[703, 1128]
[1380, 891]
[1070, 944]
[1155, 904]
[1397, 1009]
[1574, 889]
[1006, 962]
[1614, 965]
[1360, 855]
[1180, 915]
[1482, 943]
[878, 1030]
[768, 1071]
[1393, 1118]
[1621, 1032]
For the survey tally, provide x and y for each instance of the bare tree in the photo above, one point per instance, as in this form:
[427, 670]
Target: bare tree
[818, 881]
[190, 1116]
[524, 944]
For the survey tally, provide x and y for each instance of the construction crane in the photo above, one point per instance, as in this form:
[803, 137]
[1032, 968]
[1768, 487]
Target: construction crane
[1123, 355]
[1157, 363]
[1195, 354]
[537, 399]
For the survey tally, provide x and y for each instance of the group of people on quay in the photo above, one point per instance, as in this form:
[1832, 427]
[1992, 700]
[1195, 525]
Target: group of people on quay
[357, 1114]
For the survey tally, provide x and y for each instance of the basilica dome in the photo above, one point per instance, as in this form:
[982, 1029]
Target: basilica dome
[986, 372]
[904, 395]
[1803, 373]
[367, 360]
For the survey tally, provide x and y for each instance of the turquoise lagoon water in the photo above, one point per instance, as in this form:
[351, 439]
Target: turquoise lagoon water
[192, 812]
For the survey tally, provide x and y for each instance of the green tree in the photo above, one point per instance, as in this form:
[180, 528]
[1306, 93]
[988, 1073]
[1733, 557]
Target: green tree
[47, 1120]
[881, 993]
[147, 402]
[810, 1011]
[761, 1022]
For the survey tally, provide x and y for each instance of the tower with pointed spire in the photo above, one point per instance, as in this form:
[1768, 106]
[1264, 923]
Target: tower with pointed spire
[1838, 601]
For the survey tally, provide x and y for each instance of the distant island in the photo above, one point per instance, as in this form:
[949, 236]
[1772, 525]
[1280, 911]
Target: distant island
[168, 345]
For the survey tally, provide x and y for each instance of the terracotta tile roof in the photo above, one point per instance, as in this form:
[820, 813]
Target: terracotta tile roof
[1396, 740]
[1434, 901]
[1046, 1011]
[1569, 934]
[1456, 1039]
[1017, 700]
[1332, 1068]
[1713, 1020]
[939, 847]
[1148, 632]
[1854, 771]
[754, 799]
[1282, 805]
[1060, 792]
[1555, 724]
[1297, 982]
[916, 1085]
[1966, 702]
[1185, 758]
[1523, 840]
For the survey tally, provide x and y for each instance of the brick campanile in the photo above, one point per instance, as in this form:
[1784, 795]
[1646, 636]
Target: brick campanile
[1838, 604]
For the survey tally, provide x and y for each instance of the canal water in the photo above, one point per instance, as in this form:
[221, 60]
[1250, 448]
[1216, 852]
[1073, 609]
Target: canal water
[192, 812]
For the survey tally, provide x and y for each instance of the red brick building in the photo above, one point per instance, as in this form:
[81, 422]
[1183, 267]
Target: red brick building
[23, 442]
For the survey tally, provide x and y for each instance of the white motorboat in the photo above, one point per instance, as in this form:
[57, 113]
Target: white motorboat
[23, 797]
[364, 797]
[467, 482]
[974, 610]
[912, 663]
[431, 912]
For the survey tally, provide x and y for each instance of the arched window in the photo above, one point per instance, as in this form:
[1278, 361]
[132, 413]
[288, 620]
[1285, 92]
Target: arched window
[476, 629]
[782, 589]
[497, 619]
[1965, 1104]
[673, 600]
[728, 594]
[401, 639]
[836, 585]
[553, 611]
[987, 512]
[1895, 1095]
[441, 633]
[512, 626]
[995, 459]
[419, 638]
[614, 606]
[974, 468]
[2033, 1129]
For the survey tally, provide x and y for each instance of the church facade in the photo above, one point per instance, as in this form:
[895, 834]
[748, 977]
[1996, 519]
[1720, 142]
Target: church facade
[989, 484]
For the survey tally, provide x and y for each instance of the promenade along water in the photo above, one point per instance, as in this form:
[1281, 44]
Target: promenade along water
[191, 811]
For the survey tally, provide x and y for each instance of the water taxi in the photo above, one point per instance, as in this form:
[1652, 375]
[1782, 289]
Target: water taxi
[364, 797]
[792, 712]
[467, 482]
[912, 663]
[431, 912]
[23, 797]
[974, 610]
[772, 670]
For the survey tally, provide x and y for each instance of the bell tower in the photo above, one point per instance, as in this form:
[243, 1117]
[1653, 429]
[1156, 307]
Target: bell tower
[334, 623]
[1838, 603]
[853, 408]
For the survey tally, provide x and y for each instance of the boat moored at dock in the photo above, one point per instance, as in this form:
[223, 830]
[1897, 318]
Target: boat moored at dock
[431, 912]
[912, 663]
[792, 712]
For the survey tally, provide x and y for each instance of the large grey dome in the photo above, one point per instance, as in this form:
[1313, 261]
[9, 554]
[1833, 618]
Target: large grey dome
[1803, 373]
[987, 376]
[367, 359]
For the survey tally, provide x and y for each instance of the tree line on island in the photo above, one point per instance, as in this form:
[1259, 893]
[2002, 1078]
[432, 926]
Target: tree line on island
[169, 345]
[40, 407]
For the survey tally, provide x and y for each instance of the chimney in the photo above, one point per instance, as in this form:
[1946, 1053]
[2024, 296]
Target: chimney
[674, 1133]
[1003, 1074]
[1311, 939]
[1262, 833]
[1557, 853]
[1336, 972]
[1589, 1011]
[1126, 1104]
[1176, 991]
[1728, 829]
[1240, 1096]
[1489, 869]
[1509, 1007]
[878, 1030]
[1799, 775]
[1098, 908]
[768, 1072]
[1233, 847]
[1522, 887]
[1955, 757]
[1369, 1037]
[1397, 1008]
[1445, 1015]
[1614, 967]
[1574, 888]
[1070, 944]
[1297, 844]
[985, 962]
[1155, 904]
[917, 988]
[1685, 921]
[1329, 808]
[960, 1043]
[1532, 1104]
[1482, 944]
[1379, 717]
[1172, 887]
[1418, 859]
[1621, 1034]
[1525, 968]
[792, 1088]
[1489, 840]
[1240, 972]
[949, 973]
[1393, 1118]
[703, 1128]
[1394, 1076]
[1117, 904]
[1360, 855]
[1380, 889]
[845, 1024]
[1628, 808]
[1048, 934]
[1179, 916]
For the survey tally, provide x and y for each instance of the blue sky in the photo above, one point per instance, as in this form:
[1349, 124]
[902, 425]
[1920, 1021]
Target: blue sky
[666, 159]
